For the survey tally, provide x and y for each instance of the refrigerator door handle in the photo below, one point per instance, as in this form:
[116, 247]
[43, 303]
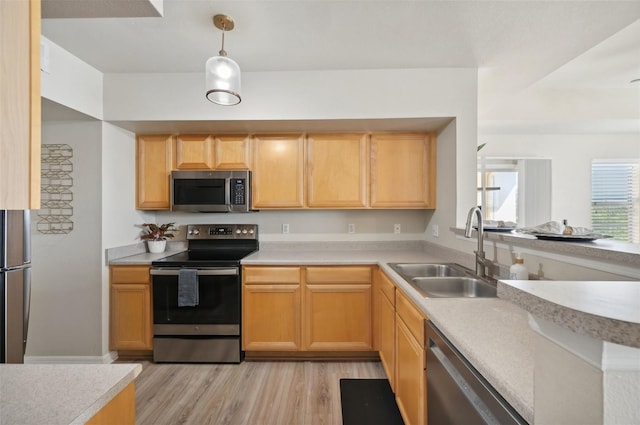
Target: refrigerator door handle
[26, 240]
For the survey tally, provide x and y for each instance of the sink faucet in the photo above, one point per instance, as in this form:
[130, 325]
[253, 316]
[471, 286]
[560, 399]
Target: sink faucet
[481, 262]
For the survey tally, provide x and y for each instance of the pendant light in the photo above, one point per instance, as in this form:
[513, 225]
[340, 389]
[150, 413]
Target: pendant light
[223, 73]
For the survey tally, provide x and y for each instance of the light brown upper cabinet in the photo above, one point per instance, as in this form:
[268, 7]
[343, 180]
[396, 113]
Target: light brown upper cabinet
[20, 105]
[194, 152]
[403, 170]
[337, 168]
[154, 164]
[278, 171]
[232, 152]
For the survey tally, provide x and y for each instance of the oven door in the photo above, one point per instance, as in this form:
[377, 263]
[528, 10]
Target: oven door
[218, 311]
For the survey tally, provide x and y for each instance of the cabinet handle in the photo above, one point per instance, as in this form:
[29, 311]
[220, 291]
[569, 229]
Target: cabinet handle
[200, 272]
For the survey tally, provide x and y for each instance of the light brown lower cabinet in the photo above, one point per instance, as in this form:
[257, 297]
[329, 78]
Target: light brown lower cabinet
[271, 318]
[337, 308]
[131, 324]
[307, 309]
[410, 366]
[120, 410]
[386, 320]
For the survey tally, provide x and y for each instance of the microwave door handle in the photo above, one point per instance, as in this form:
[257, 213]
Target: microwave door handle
[227, 193]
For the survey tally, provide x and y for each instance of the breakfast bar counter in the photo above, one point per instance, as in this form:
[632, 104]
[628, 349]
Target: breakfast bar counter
[60, 394]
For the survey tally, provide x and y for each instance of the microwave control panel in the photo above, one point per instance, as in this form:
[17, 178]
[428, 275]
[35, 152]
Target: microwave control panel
[238, 192]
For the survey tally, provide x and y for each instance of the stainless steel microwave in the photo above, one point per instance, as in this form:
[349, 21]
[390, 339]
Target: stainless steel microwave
[211, 191]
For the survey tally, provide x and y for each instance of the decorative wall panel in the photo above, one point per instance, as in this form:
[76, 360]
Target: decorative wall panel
[56, 210]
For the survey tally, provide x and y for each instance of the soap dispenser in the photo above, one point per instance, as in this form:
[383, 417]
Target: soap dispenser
[518, 271]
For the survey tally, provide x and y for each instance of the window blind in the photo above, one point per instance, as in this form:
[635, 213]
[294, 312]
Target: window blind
[615, 199]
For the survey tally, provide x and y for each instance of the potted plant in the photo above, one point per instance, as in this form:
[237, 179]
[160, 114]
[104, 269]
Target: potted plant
[157, 235]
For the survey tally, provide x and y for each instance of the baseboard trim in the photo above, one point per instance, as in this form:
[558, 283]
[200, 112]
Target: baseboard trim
[109, 357]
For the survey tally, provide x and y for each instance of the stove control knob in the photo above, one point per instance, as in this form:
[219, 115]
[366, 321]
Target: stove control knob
[244, 231]
[251, 232]
[238, 231]
[196, 232]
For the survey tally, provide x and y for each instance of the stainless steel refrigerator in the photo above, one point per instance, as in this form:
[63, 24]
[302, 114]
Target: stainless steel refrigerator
[15, 277]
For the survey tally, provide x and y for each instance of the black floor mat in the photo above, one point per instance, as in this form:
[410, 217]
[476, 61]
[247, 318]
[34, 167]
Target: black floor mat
[368, 402]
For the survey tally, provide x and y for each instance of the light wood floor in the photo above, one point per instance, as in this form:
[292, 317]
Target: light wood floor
[255, 393]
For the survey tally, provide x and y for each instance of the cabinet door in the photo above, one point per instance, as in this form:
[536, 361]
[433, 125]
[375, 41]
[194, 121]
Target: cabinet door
[194, 152]
[387, 332]
[271, 305]
[131, 323]
[20, 105]
[337, 309]
[403, 170]
[278, 171]
[410, 365]
[232, 152]
[154, 164]
[337, 170]
[271, 318]
[410, 384]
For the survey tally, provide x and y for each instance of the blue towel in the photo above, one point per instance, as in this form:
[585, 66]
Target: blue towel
[188, 294]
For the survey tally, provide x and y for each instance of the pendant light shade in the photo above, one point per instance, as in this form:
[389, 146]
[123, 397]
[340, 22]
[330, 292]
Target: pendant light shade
[222, 72]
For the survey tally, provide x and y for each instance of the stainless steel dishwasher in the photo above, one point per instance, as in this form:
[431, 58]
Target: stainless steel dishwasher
[456, 392]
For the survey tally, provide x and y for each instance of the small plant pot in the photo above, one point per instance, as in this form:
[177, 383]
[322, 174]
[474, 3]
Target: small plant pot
[156, 246]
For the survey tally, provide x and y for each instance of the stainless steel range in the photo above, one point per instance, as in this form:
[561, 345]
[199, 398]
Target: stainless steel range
[197, 295]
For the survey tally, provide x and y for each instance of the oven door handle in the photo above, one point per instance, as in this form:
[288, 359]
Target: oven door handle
[200, 272]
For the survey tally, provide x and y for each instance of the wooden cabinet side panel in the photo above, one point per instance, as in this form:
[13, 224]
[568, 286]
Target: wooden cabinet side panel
[130, 321]
[400, 170]
[232, 152]
[410, 384]
[337, 170]
[278, 171]
[271, 318]
[194, 152]
[19, 104]
[337, 317]
[120, 410]
[154, 164]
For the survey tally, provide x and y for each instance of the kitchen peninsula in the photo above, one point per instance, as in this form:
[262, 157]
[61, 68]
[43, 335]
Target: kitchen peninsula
[67, 394]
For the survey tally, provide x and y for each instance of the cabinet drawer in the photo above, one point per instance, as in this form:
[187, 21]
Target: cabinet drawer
[130, 274]
[387, 287]
[338, 275]
[411, 317]
[271, 275]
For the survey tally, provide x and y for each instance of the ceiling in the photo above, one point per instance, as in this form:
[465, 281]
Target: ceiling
[517, 45]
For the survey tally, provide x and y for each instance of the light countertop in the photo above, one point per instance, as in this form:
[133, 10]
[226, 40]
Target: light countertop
[59, 394]
[608, 311]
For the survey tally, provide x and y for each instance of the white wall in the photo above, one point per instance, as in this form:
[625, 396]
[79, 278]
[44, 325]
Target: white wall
[67, 282]
[71, 82]
[316, 95]
[571, 156]
[119, 216]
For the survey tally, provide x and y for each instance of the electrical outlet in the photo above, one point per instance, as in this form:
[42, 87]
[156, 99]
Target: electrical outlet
[285, 228]
[397, 228]
[351, 228]
[435, 230]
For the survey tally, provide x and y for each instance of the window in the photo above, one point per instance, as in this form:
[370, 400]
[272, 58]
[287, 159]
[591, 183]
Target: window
[615, 199]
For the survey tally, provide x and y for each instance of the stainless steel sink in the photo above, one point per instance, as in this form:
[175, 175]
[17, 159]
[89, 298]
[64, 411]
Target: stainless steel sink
[444, 280]
[411, 270]
[453, 287]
